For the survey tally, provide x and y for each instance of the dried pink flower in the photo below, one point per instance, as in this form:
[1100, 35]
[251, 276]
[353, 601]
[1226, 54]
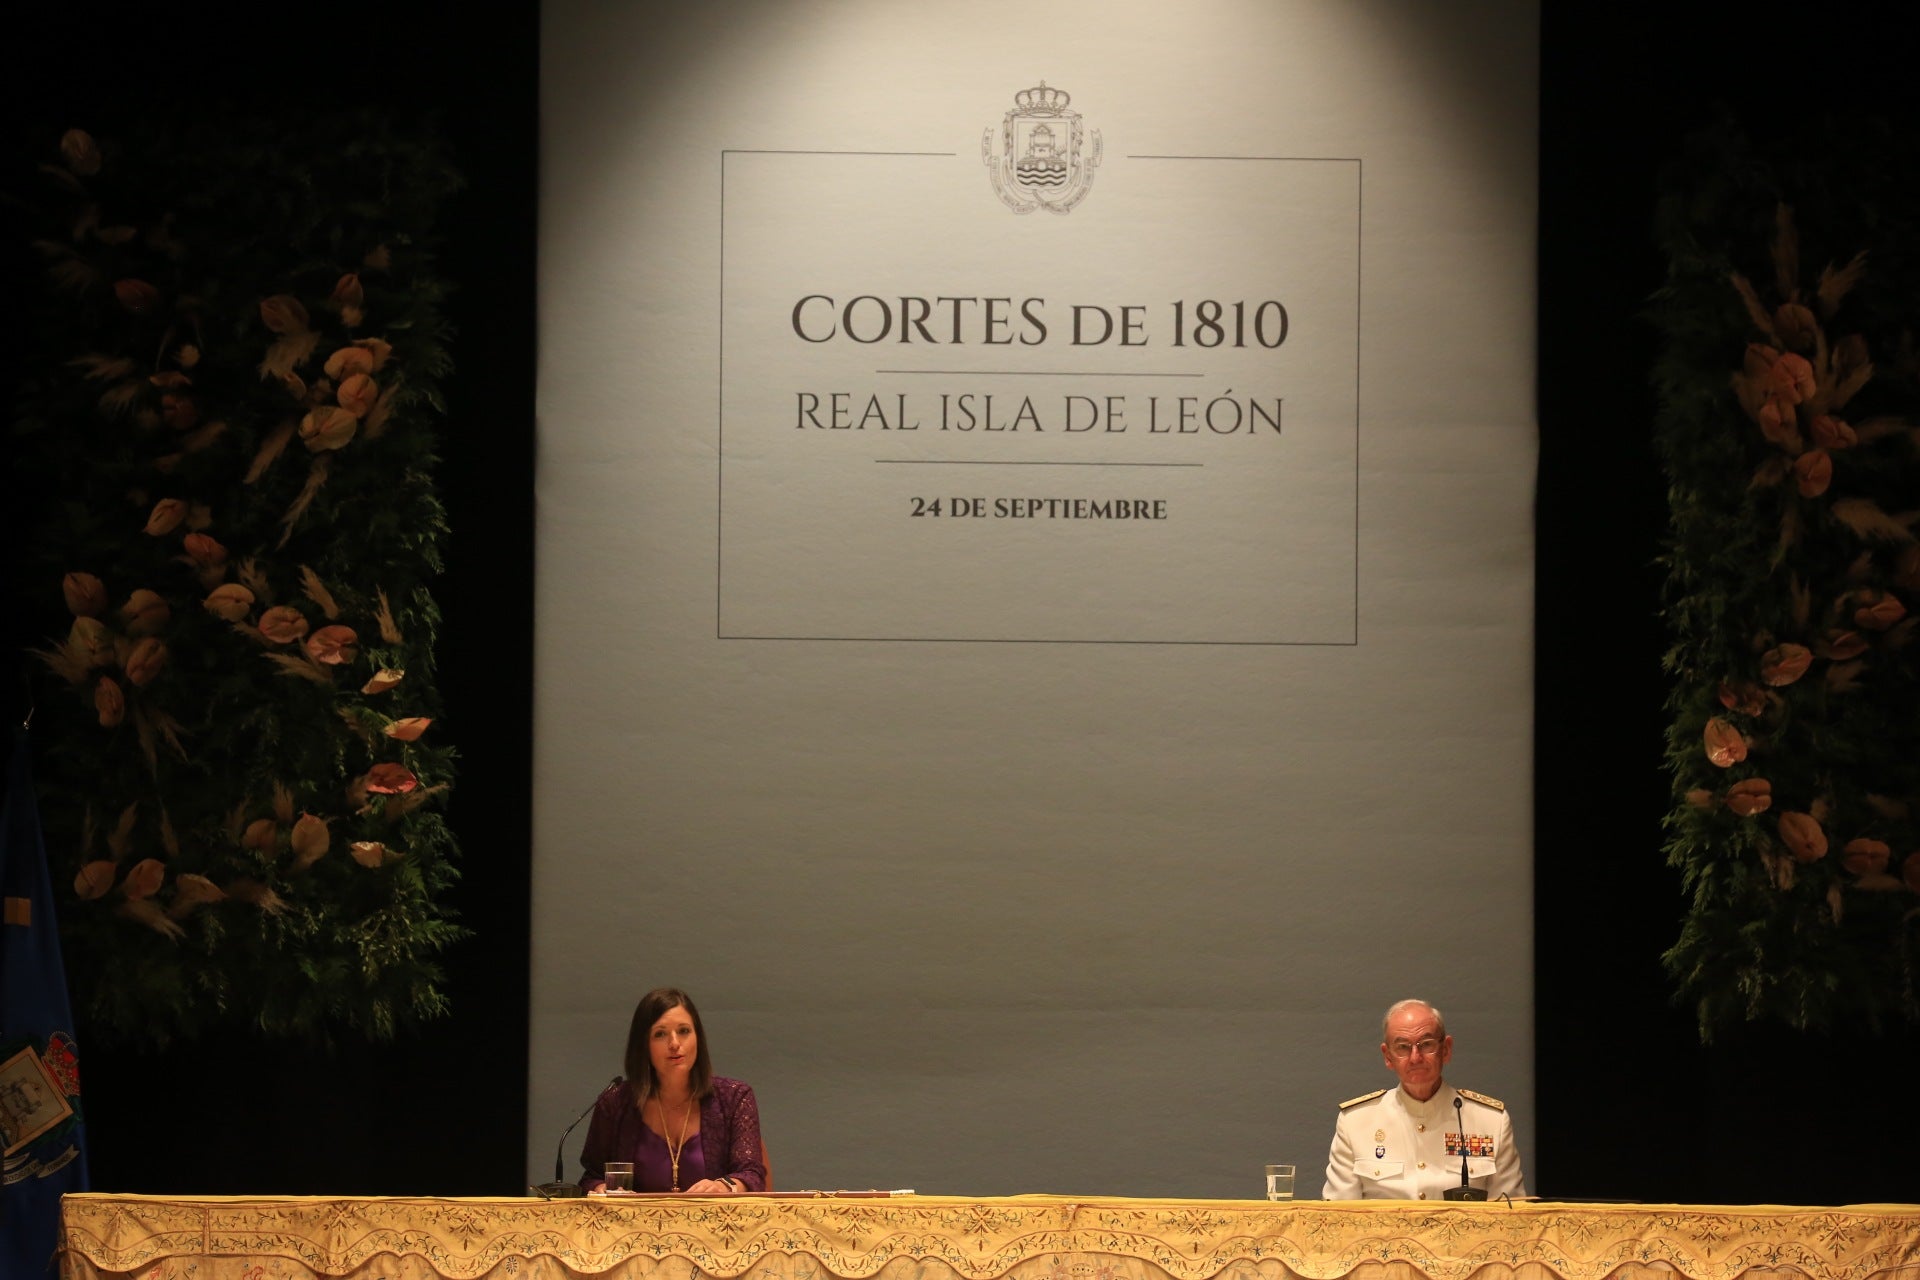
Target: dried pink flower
[145, 613]
[379, 348]
[146, 661]
[328, 428]
[1803, 836]
[348, 361]
[357, 394]
[283, 624]
[333, 646]
[391, 780]
[1865, 856]
[80, 152]
[309, 840]
[94, 879]
[347, 292]
[1878, 611]
[1785, 663]
[86, 595]
[1725, 745]
[109, 703]
[144, 878]
[1813, 472]
[1750, 796]
[165, 517]
[204, 549]
[230, 601]
[1791, 378]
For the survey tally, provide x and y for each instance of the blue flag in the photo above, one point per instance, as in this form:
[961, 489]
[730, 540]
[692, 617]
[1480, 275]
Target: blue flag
[43, 1151]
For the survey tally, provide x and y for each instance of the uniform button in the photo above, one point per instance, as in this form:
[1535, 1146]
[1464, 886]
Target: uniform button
[1420, 1128]
[1423, 1195]
[1421, 1165]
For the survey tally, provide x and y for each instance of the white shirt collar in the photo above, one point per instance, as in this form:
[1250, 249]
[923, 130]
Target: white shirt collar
[1441, 1101]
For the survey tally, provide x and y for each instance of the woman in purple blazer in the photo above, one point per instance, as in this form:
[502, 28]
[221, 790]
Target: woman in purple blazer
[684, 1128]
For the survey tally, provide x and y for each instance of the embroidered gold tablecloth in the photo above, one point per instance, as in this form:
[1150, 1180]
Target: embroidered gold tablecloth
[951, 1238]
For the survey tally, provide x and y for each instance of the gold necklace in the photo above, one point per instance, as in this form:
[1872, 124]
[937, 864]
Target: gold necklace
[673, 1149]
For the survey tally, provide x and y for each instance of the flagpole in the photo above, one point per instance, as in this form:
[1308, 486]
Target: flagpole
[44, 1130]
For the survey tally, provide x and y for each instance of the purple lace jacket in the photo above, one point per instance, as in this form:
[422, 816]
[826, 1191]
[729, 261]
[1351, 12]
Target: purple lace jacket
[729, 1134]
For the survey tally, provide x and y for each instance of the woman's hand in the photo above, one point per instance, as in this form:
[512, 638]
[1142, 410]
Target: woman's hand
[711, 1187]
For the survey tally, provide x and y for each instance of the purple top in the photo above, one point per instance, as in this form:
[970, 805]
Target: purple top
[727, 1146]
[653, 1166]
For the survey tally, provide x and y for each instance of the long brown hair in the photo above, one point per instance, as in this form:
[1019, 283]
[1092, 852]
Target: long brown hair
[652, 1007]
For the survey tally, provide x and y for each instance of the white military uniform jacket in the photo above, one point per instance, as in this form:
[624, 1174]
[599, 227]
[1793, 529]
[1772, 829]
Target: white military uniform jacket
[1388, 1146]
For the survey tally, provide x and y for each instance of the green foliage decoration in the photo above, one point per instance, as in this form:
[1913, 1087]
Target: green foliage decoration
[1789, 399]
[226, 446]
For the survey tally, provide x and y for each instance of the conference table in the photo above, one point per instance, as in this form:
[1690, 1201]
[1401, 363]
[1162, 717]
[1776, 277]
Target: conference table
[852, 1236]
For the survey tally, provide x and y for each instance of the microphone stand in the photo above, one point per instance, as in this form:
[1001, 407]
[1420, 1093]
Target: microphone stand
[1463, 1191]
[560, 1188]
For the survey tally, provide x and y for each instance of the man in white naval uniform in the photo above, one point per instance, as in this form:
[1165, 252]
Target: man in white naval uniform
[1405, 1143]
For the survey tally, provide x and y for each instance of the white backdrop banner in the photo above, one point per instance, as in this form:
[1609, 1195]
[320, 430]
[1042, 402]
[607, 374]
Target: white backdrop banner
[1035, 571]
[994, 436]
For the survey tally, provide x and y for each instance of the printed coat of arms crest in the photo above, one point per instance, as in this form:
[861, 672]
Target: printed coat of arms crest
[1042, 156]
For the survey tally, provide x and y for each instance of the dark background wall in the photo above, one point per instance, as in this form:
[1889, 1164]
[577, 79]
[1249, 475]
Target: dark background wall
[445, 1110]
[1630, 1104]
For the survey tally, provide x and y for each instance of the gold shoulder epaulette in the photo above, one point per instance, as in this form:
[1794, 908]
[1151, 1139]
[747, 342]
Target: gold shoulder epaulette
[1365, 1097]
[1482, 1099]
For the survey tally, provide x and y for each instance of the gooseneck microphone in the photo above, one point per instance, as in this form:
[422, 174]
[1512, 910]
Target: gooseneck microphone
[560, 1188]
[1463, 1191]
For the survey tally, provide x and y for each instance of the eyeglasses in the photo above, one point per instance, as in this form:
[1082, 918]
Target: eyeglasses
[1406, 1049]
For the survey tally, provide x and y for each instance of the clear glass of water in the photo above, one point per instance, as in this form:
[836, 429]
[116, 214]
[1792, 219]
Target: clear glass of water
[619, 1175]
[1279, 1182]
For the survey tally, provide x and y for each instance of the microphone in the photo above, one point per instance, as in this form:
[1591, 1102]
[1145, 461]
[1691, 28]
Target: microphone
[560, 1188]
[1463, 1191]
